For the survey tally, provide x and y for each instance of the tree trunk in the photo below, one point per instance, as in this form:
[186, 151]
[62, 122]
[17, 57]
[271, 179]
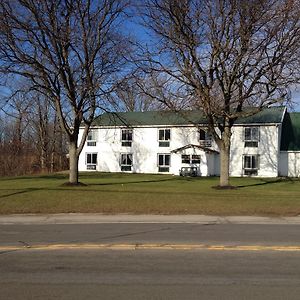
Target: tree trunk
[43, 158]
[225, 157]
[73, 158]
[53, 146]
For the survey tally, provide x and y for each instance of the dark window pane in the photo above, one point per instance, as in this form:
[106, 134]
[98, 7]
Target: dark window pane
[94, 158]
[160, 160]
[254, 134]
[129, 159]
[164, 144]
[125, 168]
[88, 158]
[163, 169]
[126, 144]
[251, 144]
[167, 160]
[247, 162]
[202, 134]
[253, 163]
[247, 134]
[161, 135]
[167, 134]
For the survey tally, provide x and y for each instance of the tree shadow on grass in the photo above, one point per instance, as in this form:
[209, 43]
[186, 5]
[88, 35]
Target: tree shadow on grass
[267, 182]
[18, 192]
[133, 182]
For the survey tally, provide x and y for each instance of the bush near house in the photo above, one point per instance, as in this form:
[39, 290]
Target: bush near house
[149, 194]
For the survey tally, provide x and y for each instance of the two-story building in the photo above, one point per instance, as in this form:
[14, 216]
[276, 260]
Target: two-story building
[264, 145]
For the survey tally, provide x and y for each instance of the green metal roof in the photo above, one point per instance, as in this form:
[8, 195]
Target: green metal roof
[269, 115]
[149, 118]
[290, 140]
[152, 118]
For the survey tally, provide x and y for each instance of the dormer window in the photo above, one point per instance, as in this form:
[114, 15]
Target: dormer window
[204, 138]
[126, 137]
[92, 138]
[251, 136]
[164, 137]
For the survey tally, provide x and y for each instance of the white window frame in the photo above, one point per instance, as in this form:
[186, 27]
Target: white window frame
[126, 166]
[254, 164]
[91, 139]
[163, 168]
[164, 141]
[127, 142]
[253, 139]
[91, 165]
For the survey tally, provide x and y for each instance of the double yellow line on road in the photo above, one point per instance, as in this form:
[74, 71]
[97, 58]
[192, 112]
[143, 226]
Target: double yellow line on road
[156, 246]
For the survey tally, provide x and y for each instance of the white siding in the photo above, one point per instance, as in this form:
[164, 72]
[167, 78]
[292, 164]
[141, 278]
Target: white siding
[145, 148]
[268, 151]
[289, 163]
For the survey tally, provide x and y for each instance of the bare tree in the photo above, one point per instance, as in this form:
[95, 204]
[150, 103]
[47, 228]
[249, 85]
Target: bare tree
[32, 137]
[130, 94]
[71, 51]
[17, 108]
[17, 145]
[46, 133]
[230, 58]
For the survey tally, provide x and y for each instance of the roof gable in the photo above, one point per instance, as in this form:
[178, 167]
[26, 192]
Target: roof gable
[271, 115]
[290, 137]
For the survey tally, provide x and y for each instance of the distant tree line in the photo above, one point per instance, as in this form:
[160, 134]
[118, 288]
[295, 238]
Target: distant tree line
[31, 140]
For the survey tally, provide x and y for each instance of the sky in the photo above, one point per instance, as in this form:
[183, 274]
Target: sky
[137, 30]
[296, 99]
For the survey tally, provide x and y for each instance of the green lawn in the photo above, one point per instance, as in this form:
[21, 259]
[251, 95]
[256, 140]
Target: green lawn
[155, 194]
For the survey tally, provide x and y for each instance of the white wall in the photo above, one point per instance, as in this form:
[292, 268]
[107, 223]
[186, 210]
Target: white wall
[145, 148]
[268, 151]
[289, 163]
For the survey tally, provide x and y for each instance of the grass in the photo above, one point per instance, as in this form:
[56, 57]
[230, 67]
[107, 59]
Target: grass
[149, 194]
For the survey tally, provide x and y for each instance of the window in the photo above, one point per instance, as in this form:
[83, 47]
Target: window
[92, 138]
[185, 159]
[126, 162]
[126, 137]
[251, 136]
[164, 162]
[190, 159]
[164, 136]
[196, 159]
[251, 164]
[91, 161]
[204, 138]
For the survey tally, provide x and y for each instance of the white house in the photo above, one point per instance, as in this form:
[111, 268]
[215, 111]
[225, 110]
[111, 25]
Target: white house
[264, 145]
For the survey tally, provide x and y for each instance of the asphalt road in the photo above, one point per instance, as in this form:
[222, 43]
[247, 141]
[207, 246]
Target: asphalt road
[232, 272]
[137, 233]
